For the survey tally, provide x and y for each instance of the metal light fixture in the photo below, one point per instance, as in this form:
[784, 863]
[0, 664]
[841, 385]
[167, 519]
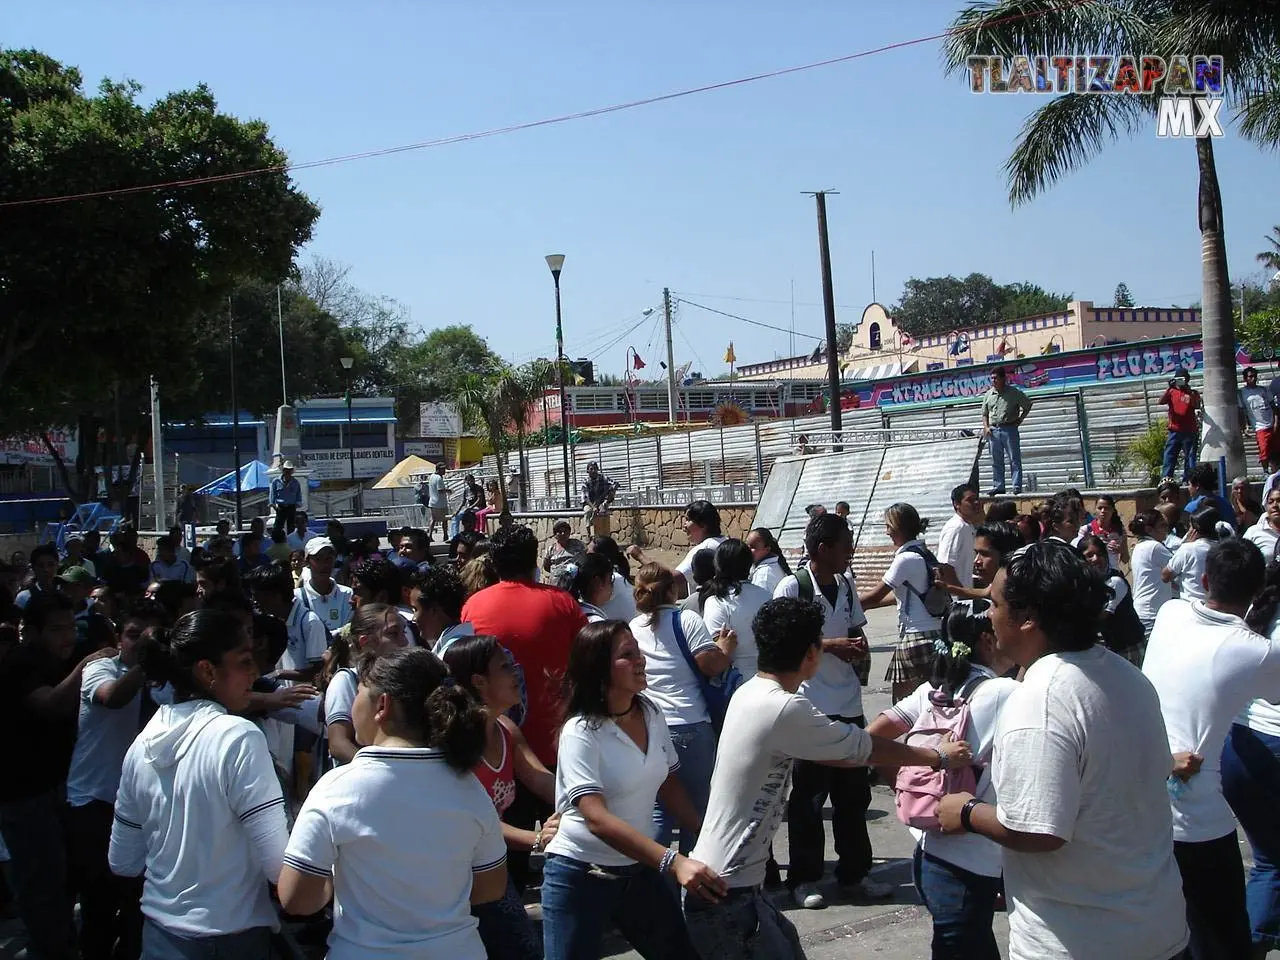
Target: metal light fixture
[555, 262]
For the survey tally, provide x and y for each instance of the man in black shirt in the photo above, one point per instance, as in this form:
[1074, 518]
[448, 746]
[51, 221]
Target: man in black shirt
[40, 702]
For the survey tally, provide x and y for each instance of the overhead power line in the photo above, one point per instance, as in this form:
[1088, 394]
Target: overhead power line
[754, 323]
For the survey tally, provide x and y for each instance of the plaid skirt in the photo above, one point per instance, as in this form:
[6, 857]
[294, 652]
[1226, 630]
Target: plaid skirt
[913, 657]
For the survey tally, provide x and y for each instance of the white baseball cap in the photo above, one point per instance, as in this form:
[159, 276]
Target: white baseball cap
[316, 544]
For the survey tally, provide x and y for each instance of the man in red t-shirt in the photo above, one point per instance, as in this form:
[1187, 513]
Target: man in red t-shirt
[1184, 428]
[537, 623]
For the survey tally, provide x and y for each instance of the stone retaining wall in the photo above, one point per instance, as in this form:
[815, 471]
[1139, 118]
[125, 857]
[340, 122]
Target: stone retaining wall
[653, 528]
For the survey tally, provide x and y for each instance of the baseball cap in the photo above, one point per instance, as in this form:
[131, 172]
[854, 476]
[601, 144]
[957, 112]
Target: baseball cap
[316, 544]
[287, 465]
[77, 575]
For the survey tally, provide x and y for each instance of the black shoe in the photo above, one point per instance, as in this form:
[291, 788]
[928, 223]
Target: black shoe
[1017, 491]
[997, 492]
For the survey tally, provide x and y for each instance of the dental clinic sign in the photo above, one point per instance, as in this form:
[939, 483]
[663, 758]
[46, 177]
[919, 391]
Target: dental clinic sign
[1188, 87]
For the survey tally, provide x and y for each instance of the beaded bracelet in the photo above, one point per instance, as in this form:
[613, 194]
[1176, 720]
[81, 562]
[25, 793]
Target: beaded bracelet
[668, 858]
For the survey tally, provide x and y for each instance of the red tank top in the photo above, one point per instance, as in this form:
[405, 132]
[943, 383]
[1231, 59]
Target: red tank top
[499, 782]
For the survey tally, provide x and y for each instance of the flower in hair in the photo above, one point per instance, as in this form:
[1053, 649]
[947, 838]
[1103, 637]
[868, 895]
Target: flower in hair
[448, 682]
[940, 646]
[960, 650]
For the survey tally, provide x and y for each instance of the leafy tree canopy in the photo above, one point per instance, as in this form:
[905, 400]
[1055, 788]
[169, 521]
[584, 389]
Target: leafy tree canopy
[97, 294]
[1123, 298]
[942, 304]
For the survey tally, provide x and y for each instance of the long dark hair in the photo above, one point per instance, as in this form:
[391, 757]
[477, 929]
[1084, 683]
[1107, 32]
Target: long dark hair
[1205, 523]
[771, 544]
[594, 566]
[1266, 605]
[1095, 541]
[608, 548]
[468, 656]
[431, 708]
[964, 627]
[732, 566]
[587, 678]
[1117, 525]
[169, 655]
[1144, 523]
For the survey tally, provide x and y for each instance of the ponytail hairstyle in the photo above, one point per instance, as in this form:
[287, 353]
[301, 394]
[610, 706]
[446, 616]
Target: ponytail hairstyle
[371, 619]
[963, 630]
[732, 567]
[336, 658]
[428, 705]
[468, 656]
[591, 568]
[1144, 524]
[904, 519]
[1205, 523]
[771, 544]
[170, 655]
[608, 548]
[654, 584]
[1266, 605]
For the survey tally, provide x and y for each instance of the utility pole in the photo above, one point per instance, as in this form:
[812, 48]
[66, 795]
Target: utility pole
[157, 458]
[829, 310]
[235, 410]
[671, 358]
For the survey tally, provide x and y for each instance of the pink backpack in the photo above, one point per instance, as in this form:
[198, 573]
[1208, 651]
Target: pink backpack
[919, 788]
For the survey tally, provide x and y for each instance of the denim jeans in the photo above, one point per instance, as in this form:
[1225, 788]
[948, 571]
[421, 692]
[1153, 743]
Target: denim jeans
[1213, 886]
[850, 793]
[34, 830]
[579, 901]
[506, 930]
[695, 744]
[1186, 442]
[963, 906]
[1251, 783]
[1005, 440]
[742, 926]
[161, 944]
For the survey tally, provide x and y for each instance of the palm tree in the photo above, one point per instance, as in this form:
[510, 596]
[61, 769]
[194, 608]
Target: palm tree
[1271, 258]
[1070, 129]
[481, 410]
[516, 391]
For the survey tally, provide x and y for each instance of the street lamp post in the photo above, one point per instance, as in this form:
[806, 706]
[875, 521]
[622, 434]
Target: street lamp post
[347, 364]
[556, 262]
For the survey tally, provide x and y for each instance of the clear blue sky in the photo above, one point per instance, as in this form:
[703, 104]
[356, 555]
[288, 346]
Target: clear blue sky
[702, 194]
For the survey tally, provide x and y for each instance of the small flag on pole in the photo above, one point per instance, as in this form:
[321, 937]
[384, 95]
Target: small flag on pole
[729, 355]
[636, 362]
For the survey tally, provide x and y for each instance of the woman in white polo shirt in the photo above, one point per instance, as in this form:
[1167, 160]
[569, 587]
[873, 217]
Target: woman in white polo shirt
[732, 601]
[1186, 569]
[403, 837]
[771, 567]
[603, 865]
[664, 633]
[377, 627]
[1265, 534]
[199, 811]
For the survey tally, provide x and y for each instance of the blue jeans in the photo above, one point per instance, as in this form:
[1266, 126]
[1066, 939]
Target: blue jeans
[1005, 440]
[580, 901]
[1186, 442]
[506, 931]
[695, 744]
[1251, 783]
[161, 944]
[962, 905]
[743, 926]
[34, 830]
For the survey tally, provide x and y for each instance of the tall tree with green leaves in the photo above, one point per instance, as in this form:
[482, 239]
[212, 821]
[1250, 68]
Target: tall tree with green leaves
[102, 290]
[1122, 297]
[1071, 129]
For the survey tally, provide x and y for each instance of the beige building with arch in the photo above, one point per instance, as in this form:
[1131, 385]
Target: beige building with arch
[881, 349]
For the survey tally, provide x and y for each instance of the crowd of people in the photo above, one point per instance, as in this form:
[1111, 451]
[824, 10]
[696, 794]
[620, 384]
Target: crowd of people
[385, 748]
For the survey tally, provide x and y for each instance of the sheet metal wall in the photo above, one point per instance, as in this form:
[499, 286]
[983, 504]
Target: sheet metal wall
[1053, 454]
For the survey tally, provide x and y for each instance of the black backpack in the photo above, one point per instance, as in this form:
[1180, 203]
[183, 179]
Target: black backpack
[936, 599]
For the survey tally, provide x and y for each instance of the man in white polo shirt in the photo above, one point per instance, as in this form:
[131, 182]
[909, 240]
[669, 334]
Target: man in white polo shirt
[299, 535]
[1207, 666]
[955, 543]
[836, 690]
[319, 593]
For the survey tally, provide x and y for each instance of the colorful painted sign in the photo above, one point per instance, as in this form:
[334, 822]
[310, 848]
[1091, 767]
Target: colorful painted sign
[1157, 359]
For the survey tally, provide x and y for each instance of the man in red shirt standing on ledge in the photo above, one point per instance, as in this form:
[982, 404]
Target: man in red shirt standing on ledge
[537, 623]
[1184, 429]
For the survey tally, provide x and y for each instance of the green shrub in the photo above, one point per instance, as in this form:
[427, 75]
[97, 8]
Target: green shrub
[1146, 451]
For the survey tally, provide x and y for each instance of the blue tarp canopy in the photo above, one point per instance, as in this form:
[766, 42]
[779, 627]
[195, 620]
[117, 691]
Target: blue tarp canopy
[253, 476]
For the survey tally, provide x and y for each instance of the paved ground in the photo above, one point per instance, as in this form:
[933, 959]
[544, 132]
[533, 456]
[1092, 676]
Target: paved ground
[895, 929]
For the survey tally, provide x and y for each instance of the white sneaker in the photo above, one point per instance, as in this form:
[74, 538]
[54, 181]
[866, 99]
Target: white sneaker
[869, 889]
[808, 896]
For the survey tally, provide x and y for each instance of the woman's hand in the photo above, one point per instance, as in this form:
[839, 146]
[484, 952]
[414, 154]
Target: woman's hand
[287, 697]
[1186, 765]
[549, 829]
[727, 641]
[699, 879]
[957, 752]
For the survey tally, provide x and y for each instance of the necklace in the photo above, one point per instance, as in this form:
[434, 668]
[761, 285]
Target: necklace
[619, 716]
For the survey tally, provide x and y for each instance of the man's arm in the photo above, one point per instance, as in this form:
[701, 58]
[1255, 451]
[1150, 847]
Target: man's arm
[984, 822]
[1024, 408]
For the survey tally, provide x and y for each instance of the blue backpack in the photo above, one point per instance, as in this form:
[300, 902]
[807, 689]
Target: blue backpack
[717, 690]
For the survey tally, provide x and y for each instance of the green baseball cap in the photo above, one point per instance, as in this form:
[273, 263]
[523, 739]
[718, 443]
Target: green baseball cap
[77, 575]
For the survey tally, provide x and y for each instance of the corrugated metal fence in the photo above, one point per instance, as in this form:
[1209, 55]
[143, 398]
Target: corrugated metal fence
[1072, 438]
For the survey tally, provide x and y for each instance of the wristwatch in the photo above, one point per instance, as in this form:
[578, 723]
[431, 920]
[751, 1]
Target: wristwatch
[943, 760]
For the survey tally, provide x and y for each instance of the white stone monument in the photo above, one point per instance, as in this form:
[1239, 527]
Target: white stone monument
[288, 447]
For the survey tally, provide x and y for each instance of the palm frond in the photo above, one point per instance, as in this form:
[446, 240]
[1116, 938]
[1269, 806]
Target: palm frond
[1259, 117]
[1064, 135]
[1043, 27]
